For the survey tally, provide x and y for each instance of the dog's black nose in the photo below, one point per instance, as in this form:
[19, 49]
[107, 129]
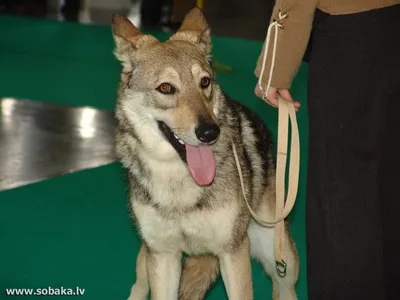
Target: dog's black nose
[207, 132]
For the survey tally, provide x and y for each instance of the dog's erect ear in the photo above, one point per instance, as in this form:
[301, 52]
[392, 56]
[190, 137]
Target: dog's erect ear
[195, 29]
[124, 29]
[128, 39]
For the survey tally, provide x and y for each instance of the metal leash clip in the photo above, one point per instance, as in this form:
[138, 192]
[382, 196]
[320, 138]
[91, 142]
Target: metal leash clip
[281, 268]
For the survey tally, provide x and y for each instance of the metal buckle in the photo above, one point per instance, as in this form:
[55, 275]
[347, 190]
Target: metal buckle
[281, 268]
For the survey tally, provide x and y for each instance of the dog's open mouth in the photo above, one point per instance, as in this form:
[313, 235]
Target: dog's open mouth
[199, 159]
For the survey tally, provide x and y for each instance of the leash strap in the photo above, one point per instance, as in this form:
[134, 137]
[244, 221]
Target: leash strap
[282, 208]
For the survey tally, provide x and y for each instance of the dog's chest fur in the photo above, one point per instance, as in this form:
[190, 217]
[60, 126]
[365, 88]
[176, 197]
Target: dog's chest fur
[173, 220]
[193, 233]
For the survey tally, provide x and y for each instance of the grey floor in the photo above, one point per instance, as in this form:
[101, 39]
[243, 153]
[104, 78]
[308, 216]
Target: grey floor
[40, 141]
[62, 139]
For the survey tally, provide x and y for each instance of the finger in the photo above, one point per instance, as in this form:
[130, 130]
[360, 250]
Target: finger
[296, 105]
[287, 96]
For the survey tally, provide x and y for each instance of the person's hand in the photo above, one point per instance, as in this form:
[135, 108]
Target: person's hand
[272, 98]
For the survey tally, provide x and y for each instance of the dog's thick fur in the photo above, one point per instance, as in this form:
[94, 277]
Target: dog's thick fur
[173, 214]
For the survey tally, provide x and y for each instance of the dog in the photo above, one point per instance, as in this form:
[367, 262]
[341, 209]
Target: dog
[174, 134]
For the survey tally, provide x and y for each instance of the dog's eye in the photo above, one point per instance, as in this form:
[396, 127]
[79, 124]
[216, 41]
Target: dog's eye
[166, 88]
[205, 82]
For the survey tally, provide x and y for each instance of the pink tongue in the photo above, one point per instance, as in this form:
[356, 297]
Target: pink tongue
[201, 163]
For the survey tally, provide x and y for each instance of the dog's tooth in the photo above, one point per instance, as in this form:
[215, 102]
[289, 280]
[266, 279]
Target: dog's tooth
[180, 141]
[176, 136]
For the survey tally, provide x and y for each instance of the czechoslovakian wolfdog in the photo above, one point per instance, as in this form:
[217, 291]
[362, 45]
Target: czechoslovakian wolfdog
[174, 133]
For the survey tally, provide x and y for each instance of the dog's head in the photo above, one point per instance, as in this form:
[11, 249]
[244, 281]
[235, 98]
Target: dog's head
[172, 83]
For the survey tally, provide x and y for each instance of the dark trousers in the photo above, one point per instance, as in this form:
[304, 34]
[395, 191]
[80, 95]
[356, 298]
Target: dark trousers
[353, 190]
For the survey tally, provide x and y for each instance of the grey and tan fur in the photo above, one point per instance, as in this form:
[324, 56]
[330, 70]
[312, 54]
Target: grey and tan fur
[173, 214]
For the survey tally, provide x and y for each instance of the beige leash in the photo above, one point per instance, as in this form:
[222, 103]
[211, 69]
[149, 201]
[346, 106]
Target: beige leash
[283, 209]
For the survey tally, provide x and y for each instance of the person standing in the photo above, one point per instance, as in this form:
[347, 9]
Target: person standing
[353, 194]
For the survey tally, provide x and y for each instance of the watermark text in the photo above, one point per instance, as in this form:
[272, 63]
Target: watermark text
[48, 291]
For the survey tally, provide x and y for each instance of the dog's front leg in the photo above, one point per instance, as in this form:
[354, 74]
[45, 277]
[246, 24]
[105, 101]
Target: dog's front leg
[164, 271]
[140, 290]
[236, 272]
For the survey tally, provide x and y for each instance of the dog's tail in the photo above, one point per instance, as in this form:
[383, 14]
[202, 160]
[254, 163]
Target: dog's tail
[198, 274]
